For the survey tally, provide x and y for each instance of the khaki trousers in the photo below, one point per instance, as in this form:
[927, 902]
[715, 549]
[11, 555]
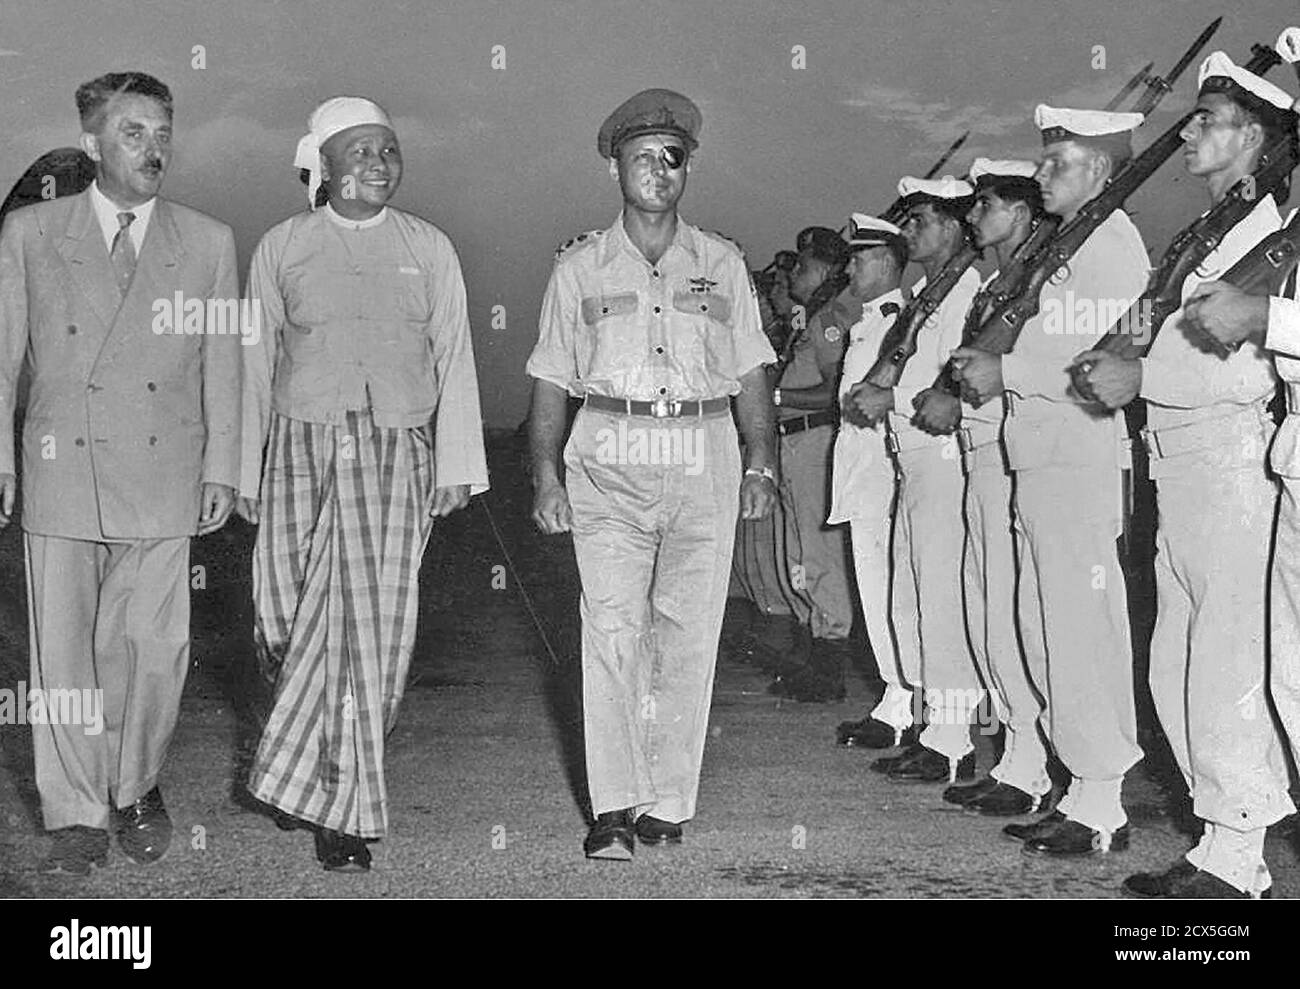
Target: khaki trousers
[817, 555]
[653, 544]
[110, 617]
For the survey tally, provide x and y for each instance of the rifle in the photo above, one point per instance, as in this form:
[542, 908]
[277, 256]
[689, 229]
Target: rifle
[1000, 331]
[1262, 271]
[1011, 279]
[1142, 75]
[1135, 332]
[899, 344]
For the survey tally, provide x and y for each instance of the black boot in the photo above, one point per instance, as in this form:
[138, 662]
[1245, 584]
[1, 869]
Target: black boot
[822, 679]
[782, 646]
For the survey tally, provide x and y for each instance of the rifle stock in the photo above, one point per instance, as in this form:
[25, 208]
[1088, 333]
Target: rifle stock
[899, 343]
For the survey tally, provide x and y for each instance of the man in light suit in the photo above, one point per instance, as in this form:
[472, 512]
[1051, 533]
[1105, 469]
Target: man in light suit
[130, 447]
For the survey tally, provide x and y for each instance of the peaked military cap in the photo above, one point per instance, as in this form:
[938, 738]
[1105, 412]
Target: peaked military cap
[651, 111]
[1272, 103]
[1102, 129]
[870, 231]
[824, 244]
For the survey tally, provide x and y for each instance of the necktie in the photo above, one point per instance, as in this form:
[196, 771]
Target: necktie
[123, 253]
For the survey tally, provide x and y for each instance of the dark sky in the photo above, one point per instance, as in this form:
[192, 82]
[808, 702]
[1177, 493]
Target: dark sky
[505, 161]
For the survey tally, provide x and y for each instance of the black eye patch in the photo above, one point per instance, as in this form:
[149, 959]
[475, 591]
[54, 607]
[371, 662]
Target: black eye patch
[672, 156]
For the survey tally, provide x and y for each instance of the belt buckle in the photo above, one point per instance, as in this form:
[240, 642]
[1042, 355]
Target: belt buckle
[1151, 440]
[660, 408]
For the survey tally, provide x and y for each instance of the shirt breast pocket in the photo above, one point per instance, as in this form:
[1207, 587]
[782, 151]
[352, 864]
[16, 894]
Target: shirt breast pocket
[711, 312]
[597, 309]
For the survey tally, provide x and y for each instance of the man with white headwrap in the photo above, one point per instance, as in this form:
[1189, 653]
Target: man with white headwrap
[361, 426]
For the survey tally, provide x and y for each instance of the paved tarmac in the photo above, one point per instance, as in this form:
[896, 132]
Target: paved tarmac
[485, 766]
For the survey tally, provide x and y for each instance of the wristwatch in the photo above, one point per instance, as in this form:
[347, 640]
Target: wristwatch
[762, 472]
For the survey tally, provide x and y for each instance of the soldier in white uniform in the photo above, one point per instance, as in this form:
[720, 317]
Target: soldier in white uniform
[654, 323]
[1067, 459]
[862, 479]
[928, 529]
[1207, 434]
[1007, 203]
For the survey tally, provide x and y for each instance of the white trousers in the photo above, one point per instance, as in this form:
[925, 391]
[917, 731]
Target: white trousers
[927, 597]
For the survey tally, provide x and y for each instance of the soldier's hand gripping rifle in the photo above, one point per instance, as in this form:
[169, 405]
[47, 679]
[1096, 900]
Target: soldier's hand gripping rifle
[1134, 333]
[1261, 271]
[1000, 331]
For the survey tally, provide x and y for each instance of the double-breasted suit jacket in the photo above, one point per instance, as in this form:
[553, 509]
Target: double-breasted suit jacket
[124, 423]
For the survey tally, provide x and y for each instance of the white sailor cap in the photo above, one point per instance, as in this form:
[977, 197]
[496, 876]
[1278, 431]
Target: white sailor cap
[947, 187]
[1220, 75]
[870, 231]
[1097, 128]
[987, 168]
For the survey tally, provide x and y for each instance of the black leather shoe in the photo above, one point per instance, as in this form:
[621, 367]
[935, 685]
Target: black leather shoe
[1183, 881]
[1005, 800]
[144, 831]
[928, 766]
[1035, 829]
[872, 734]
[963, 794]
[611, 837]
[653, 831]
[887, 764]
[339, 852]
[76, 849]
[1074, 840]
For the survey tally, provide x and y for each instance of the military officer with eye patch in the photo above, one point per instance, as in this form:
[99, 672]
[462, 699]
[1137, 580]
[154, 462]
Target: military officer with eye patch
[654, 323]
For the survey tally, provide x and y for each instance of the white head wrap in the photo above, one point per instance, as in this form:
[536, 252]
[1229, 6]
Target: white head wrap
[334, 115]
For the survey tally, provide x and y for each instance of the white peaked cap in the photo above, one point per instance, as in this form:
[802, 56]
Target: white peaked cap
[334, 115]
[1219, 65]
[863, 223]
[947, 187]
[865, 230]
[1002, 169]
[1085, 123]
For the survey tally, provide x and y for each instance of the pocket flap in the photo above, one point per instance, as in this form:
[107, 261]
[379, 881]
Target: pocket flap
[598, 307]
[710, 304]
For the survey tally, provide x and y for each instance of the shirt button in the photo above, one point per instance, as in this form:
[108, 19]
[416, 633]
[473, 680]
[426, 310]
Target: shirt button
[663, 391]
[153, 440]
[151, 386]
[79, 442]
[657, 310]
[72, 329]
[655, 272]
[659, 350]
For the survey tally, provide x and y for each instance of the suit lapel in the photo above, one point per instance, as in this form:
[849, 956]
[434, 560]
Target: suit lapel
[86, 256]
[155, 274]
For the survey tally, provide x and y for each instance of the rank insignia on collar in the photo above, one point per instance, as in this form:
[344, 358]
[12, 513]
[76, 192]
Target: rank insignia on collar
[701, 285]
[832, 333]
